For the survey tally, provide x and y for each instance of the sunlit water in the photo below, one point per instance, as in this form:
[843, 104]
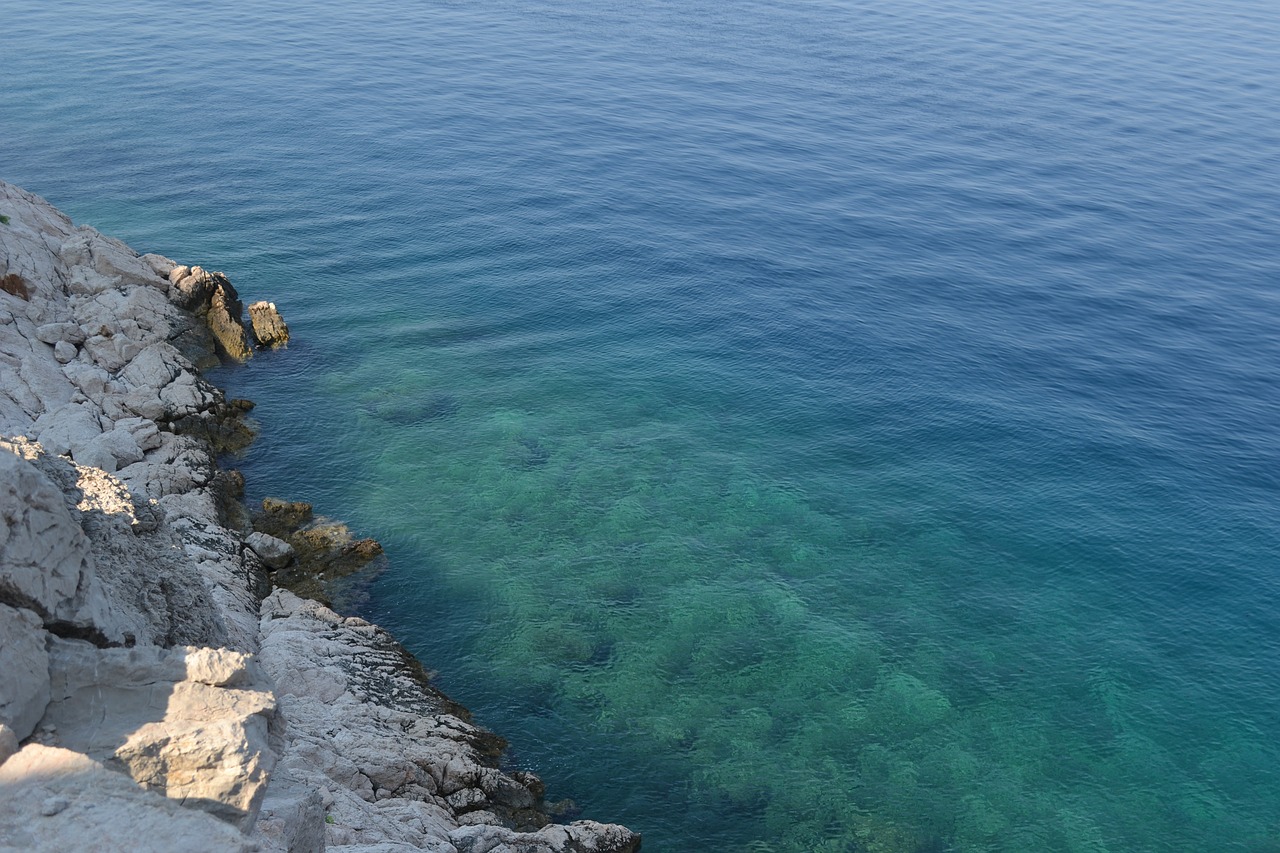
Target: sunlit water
[799, 426]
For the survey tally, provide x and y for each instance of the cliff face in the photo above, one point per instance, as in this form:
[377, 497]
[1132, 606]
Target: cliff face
[155, 692]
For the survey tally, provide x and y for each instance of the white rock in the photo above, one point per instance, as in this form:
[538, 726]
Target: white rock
[144, 431]
[110, 451]
[68, 427]
[111, 352]
[110, 258]
[159, 264]
[192, 740]
[24, 670]
[54, 800]
[292, 817]
[64, 352]
[52, 333]
[44, 378]
[90, 379]
[131, 578]
[44, 556]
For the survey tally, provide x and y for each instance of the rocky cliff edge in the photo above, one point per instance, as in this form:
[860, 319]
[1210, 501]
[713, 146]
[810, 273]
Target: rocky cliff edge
[156, 693]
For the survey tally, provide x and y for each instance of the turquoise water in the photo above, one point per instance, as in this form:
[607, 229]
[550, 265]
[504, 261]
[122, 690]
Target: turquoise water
[797, 426]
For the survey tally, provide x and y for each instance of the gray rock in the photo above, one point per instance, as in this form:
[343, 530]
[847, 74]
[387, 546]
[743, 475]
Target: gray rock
[44, 556]
[292, 817]
[90, 379]
[190, 723]
[51, 333]
[159, 264]
[66, 428]
[274, 553]
[8, 743]
[144, 431]
[64, 352]
[24, 685]
[53, 800]
[110, 451]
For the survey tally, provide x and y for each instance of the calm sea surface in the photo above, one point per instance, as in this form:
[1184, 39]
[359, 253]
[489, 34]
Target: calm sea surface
[799, 426]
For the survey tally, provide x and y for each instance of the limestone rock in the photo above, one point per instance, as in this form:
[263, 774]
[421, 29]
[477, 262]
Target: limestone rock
[24, 671]
[188, 723]
[274, 553]
[8, 743]
[107, 257]
[292, 817]
[64, 352]
[67, 428]
[159, 264]
[53, 800]
[268, 326]
[133, 581]
[110, 451]
[52, 333]
[578, 837]
[44, 555]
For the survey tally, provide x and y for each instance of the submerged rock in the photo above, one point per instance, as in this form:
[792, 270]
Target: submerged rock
[322, 550]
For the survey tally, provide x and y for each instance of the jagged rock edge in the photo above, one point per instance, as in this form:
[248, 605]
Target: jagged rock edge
[332, 729]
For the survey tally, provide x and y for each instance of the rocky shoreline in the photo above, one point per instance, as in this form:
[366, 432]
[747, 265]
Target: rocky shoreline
[160, 688]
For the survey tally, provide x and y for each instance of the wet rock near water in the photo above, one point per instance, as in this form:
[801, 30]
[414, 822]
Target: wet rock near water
[321, 550]
[268, 326]
[155, 692]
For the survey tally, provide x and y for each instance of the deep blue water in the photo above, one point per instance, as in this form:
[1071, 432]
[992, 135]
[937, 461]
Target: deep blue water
[799, 426]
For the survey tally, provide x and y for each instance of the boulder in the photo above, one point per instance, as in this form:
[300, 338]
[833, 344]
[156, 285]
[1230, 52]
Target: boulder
[224, 318]
[268, 326]
[159, 264]
[53, 800]
[51, 333]
[274, 553]
[45, 565]
[189, 723]
[24, 664]
[110, 451]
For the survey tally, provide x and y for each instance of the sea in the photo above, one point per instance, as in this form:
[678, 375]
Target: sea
[798, 426]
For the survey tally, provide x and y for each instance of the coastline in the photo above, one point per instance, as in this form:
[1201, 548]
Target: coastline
[143, 631]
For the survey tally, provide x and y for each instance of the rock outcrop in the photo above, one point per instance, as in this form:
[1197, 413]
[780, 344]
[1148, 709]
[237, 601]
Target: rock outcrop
[155, 693]
[268, 326]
